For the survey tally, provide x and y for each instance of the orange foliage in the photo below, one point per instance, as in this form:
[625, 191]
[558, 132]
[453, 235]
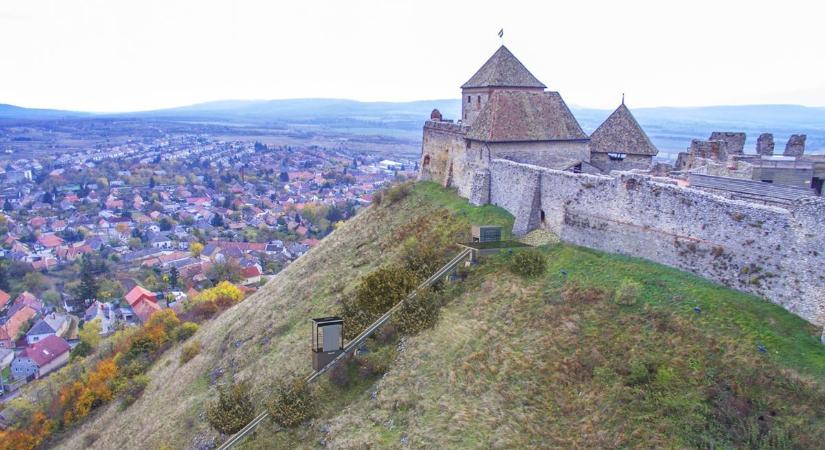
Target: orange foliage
[28, 437]
[77, 399]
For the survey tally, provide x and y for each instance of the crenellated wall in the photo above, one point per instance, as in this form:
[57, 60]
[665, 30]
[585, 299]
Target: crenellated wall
[773, 252]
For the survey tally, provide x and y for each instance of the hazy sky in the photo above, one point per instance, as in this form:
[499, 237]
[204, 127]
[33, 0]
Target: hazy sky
[110, 55]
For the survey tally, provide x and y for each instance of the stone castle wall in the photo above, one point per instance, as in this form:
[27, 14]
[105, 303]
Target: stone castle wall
[444, 156]
[772, 252]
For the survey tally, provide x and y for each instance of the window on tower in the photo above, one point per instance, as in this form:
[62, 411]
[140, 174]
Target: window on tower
[469, 99]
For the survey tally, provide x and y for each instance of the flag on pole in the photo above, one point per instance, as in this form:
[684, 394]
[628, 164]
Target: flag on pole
[501, 33]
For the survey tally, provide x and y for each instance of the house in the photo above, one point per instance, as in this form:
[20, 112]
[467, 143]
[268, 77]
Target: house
[139, 294]
[144, 309]
[143, 303]
[15, 322]
[103, 313]
[251, 274]
[26, 298]
[41, 358]
[50, 240]
[4, 299]
[51, 325]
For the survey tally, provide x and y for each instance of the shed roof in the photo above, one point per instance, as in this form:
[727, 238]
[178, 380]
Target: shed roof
[621, 133]
[518, 116]
[503, 69]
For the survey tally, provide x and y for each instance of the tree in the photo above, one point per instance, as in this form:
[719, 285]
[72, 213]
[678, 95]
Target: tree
[34, 282]
[225, 271]
[165, 224]
[217, 221]
[284, 177]
[7, 206]
[196, 248]
[51, 298]
[109, 289]
[88, 287]
[151, 182]
[90, 333]
[4, 278]
[48, 198]
[173, 277]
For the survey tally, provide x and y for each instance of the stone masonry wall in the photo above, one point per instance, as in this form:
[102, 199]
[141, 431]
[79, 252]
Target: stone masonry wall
[444, 156]
[769, 251]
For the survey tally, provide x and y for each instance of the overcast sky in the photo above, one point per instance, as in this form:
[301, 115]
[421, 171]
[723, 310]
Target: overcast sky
[110, 55]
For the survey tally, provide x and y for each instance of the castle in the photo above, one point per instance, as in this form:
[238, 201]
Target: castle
[518, 146]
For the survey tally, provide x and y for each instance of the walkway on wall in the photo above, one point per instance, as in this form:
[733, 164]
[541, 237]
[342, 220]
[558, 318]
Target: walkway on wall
[356, 342]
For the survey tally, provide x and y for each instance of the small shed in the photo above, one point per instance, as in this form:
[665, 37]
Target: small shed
[486, 233]
[327, 340]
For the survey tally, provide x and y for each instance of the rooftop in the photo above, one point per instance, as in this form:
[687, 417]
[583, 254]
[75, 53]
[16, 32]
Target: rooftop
[503, 69]
[621, 133]
[518, 116]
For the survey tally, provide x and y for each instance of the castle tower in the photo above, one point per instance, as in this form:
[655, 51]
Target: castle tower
[503, 71]
[620, 143]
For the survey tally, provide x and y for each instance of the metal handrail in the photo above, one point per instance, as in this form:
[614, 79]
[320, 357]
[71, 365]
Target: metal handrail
[354, 343]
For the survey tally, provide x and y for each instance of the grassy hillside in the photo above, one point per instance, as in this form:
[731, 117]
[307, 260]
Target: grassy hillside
[551, 361]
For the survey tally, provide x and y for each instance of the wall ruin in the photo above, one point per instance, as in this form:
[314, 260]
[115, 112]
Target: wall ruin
[772, 252]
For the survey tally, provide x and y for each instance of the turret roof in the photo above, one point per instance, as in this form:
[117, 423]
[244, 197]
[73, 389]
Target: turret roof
[503, 69]
[621, 133]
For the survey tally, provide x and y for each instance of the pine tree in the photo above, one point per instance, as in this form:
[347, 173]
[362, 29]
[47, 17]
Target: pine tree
[4, 278]
[88, 284]
[173, 277]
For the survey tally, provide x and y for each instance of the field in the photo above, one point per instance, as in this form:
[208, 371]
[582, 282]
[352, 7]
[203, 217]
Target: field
[551, 361]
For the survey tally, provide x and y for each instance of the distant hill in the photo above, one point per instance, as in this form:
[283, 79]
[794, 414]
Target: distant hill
[670, 128]
[20, 113]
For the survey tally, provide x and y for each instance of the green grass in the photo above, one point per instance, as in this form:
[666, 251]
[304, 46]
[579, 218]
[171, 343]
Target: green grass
[788, 339]
[512, 362]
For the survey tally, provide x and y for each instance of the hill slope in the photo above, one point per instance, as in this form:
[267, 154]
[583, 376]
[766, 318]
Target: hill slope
[550, 361]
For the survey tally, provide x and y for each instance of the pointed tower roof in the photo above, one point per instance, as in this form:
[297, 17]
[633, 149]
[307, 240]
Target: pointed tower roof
[503, 69]
[621, 133]
[521, 116]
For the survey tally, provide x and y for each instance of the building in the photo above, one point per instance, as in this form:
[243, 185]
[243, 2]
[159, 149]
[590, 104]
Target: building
[10, 331]
[51, 325]
[620, 143]
[41, 358]
[507, 113]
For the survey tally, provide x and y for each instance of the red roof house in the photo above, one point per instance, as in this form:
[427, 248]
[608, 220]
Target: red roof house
[41, 358]
[4, 298]
[139, 294]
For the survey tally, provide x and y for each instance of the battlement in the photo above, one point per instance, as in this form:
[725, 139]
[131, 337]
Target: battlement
[445, 126]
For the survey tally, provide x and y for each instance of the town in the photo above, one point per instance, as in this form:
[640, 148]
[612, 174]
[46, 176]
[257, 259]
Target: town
[111, 234]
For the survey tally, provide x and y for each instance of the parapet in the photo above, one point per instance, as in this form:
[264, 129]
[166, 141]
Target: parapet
[449, 127]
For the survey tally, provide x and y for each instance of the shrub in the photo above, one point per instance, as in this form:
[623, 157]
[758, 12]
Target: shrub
[383, 288]
[133, 390]
[418, 313]
[528, 263]
[377, 198]
[291, 404]
[190, 351]
[232, 410]
[398, 192]
[628, 292]
[422, 259]
[185, 331]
